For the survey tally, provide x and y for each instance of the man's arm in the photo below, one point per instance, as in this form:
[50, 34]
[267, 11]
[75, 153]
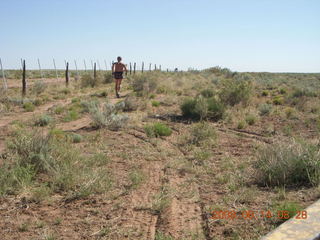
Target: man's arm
[125, 68]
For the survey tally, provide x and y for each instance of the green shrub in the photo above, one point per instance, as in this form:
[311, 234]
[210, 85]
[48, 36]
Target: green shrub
[289, 164]
[43, 120]
[108, 117]
[202, 108]
[108, 78]
[87, 80]
[71, 115]
[66, 91]
[265, 93]
[265, 109]
[282, 91]
[250, 119]
[144, 84]
[29, 107]
[157, 130]
[39, 87]
[76, 138]
[241, 124]
[235, 91]
[201, 132]
[155, 103]
[207, 93]
[304, 92]
[131, 103]
[278, 100]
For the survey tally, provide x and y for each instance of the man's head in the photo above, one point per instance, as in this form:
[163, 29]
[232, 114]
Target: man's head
[119, 59]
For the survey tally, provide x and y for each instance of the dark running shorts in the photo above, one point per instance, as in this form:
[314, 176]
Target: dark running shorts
[118, 75]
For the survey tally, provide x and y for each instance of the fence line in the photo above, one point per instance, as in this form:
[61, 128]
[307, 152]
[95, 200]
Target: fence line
[5, 85]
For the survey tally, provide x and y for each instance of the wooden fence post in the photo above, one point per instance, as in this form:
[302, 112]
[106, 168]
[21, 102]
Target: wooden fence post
[67, 74]
[155, 67]
[134, 68]
[41, 75]
[142, 67]
[167, 70]
[55, 68]
[24, 84]
[75, 63]
[94, 73]
[130, 68]
[105, 64]
[149, 67]
[5, 85]
[85, 65]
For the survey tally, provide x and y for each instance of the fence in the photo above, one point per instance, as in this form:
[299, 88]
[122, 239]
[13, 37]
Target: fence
[132, 68]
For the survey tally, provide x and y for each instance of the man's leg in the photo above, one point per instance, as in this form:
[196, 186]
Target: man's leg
[119, 83]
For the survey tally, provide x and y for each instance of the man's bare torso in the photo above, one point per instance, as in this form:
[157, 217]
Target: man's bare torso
[119, 67]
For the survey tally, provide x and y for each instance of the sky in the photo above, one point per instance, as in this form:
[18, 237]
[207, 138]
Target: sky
[246, 35]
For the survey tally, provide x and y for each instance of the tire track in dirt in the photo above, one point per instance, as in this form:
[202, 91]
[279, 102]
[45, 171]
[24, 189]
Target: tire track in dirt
[183, 218]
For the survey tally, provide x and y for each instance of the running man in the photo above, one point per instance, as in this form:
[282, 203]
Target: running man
[117, 71]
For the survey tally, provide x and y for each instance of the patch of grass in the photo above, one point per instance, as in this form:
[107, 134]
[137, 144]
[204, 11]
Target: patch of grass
[76, 138]
[136, 177]
[200, 133]
[71, 115]
[265, 109]
[65, 91]
[24, 227]
[157, 129]
[155, 103]
[285, 210]
[289, 164]
[43, 120]
[202, 108]
[241, 124]
[161, 200]
[250, 119]
[162, 236]
[39, 87]
[29, 107]
[278, 100]
[207, 93]
[58, 110]
[235, 91]
[265, 93]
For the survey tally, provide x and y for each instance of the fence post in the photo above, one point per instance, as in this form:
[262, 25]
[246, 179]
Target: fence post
[142, 67]
[134, 68]
[75, 63]
[167, 70]
[155, 67]
[55, 68]
[41, 74]
[160, 68]
[5, 85]
[24, 84]
[95, 73]
[85, 65]
[130, 68]
[105, 64]
[67, 74]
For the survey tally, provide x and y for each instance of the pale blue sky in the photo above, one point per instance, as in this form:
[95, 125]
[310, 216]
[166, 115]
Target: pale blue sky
[247, 35]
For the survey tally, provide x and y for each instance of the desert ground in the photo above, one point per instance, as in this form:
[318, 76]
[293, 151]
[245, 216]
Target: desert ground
[160, 161]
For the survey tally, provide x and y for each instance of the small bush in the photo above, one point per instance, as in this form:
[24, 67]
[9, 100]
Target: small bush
[87, 80]
[108, 117]
[71, 115]
[241, 124]
[76, 138]
[203, 108]
[155, 103]
[144, 84]
[108, 78]
[289, 164]
[298, 92]
[250, 119]
[157, 130]
[43, 120]
[278, 100]
[29, 107]
[265, 109]
[39, 87]
[289, 112]
[66, 91]
[201, 132]
[282, 91]
[131, 103]
[235, 91]
[265, 93]
[207, 93]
